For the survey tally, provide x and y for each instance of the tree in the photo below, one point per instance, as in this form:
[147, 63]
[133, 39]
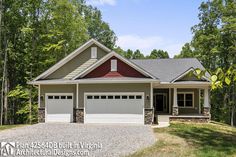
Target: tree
[137, 55]
[224, 79]
[157, 54]
[129, 54]
[213, 43]
[33, 36]
[186, 52]
[97, 28]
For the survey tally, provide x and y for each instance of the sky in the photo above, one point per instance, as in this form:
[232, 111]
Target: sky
[150, 24]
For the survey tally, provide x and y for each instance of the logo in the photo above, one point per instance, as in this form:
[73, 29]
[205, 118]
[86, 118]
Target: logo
[7, 148]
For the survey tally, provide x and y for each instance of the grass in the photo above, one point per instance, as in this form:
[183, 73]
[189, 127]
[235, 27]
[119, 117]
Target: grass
[192, 140]
[4, 127]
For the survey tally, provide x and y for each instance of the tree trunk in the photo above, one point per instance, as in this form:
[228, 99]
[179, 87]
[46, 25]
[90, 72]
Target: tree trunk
[232, 116]
[1, 58]
[5, 101]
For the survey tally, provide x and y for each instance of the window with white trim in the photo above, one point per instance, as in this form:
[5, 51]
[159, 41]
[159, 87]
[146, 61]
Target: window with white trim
[185, 99]
[113, 65]
[93, 52]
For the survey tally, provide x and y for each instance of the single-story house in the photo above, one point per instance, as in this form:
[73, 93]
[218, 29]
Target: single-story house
[94, 84]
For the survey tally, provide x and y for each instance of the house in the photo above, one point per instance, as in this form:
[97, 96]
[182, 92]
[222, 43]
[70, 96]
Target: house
[94, 84]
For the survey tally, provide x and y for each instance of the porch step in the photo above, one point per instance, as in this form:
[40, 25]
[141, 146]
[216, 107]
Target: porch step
[163, 121]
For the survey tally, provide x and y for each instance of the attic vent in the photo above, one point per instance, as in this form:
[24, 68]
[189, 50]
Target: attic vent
[93, 52]
[113, 65]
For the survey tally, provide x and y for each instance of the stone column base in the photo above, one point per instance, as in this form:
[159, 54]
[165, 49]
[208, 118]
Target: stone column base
[41, 115]
[78, 115]
[206, 111]
[148, 116]
[175, 111]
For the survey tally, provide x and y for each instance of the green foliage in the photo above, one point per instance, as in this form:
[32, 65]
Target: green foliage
[186, 52]
[38, 34]
[158, 54]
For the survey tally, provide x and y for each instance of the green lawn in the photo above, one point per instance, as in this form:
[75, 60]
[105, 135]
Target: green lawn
[191, 139]
[4, 127]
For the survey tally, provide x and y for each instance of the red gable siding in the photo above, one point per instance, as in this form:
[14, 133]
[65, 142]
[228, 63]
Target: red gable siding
[123, 70]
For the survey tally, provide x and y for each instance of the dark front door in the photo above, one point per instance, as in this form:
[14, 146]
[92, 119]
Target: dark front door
[159, 102]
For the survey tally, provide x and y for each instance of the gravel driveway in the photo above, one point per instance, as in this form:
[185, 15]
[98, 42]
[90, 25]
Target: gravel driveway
[101, 140]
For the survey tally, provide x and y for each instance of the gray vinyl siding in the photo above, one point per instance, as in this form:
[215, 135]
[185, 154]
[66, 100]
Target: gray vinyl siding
[56, 89]
[144, 87]
[76, 62]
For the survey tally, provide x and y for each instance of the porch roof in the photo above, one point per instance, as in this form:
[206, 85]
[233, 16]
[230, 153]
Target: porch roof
[168, 69]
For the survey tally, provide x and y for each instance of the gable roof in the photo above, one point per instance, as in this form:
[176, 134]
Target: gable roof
[186, 73]
[70, 57]
[168, 69]
[108, 56]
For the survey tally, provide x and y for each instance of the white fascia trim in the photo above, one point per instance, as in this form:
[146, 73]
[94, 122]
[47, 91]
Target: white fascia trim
[185, 73]
[71, 56]
[105, 58]
[95, 81]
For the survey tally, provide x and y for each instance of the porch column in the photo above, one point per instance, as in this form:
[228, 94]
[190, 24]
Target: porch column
[77, 95]
[39, 96]
[206, 107]
[175, 110]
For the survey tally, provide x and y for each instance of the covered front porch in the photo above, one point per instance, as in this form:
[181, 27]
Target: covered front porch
[184, 102]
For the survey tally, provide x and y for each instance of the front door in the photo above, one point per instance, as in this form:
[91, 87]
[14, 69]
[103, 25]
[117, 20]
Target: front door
[160, 102]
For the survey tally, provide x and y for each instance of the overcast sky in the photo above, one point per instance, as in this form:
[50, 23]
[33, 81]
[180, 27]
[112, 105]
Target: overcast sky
[150, 24]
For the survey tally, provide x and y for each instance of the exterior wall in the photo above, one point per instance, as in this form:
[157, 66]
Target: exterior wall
[165, 91]
[76, 62]
[144, 87]
[189, 78]
[195, 109]
[123, 70]
[56, 89]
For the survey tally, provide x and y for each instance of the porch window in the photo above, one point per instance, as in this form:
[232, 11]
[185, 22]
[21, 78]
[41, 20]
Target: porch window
[185, 99]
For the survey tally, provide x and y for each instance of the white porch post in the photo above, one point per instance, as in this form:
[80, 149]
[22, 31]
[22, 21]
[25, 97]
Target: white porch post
[77, 95]
[206, 110]
[39, 96]
[151, 95]
[175, 110]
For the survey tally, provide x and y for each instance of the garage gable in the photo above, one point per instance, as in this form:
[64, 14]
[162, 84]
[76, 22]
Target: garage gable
[114, 65]
[122, 70]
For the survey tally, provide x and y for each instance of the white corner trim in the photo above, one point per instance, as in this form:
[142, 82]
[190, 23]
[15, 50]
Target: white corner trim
[151, 94]
[71, 56]
[185, 73]
[39, 105]
[108, 56]
[77, 95]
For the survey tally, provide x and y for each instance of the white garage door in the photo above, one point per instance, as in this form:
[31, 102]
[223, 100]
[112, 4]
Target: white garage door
[114, 108]
[59, 107]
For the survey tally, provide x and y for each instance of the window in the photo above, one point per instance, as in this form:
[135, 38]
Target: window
[94, 52]
[113, 65]
[117, 97]
[138, 97]
[103, 97]
[56, 97]
[180, 98]
[63, 97]
[69, 97]
[89, 97]
[96, 97]
[50, 97]
[110, 97]
[185, 99]
[131, 97]
[124, 97]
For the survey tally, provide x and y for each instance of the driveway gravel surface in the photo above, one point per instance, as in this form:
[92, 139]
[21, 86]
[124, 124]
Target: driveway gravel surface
[101, 140]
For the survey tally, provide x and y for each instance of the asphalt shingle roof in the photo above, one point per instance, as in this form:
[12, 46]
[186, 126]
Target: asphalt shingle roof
[167, 69]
